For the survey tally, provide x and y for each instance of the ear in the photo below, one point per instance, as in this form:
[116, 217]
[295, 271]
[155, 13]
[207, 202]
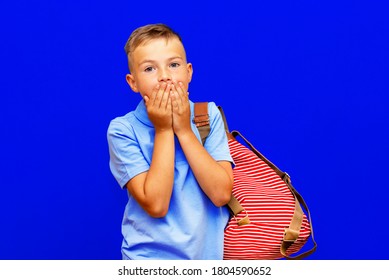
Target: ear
[189, 68]
[131, 82]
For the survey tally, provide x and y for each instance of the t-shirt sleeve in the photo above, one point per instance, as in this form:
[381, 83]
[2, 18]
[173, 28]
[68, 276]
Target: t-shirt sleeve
[217, 143]
[126, 158]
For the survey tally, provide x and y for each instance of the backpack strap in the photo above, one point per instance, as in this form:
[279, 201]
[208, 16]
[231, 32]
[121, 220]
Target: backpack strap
[201, 119]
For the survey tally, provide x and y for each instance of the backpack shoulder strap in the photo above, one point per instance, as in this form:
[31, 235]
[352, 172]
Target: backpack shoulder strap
[201, 119]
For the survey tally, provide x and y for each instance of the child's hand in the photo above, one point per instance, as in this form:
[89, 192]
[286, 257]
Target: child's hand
[159, 107]
[181, 109]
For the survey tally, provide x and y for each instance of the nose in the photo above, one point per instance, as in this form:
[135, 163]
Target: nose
[164, 75]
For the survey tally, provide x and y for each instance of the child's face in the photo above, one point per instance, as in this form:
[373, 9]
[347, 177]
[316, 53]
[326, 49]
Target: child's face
[158, 61]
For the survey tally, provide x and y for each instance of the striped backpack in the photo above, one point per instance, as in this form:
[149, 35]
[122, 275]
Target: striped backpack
[267, 220]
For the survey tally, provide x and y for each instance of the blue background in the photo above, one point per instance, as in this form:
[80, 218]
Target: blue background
[305, 81]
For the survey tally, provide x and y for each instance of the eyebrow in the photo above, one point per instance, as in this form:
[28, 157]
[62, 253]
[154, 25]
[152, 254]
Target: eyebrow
[153, 61]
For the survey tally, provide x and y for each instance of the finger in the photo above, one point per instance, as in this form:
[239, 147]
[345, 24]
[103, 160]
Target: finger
[184, 94]
[159, 95]
[177, 102]
[169, 107]
[178, 95]
[180, 88]
[154, 93]
[174, 102]
[165, 97]
[146, 99]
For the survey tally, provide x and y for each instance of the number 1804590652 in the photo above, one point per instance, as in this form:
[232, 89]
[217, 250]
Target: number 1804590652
[241, 270]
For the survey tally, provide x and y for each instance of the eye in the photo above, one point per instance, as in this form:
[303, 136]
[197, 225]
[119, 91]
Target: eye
[174, 65]
[149, 69]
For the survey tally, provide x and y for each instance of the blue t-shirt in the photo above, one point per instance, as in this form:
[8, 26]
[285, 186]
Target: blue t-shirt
[193, 227]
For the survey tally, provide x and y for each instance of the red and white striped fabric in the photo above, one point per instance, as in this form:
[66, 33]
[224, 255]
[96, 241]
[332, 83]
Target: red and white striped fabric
[270, 206]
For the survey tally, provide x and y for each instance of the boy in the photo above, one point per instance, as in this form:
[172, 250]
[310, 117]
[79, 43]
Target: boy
[177, 187]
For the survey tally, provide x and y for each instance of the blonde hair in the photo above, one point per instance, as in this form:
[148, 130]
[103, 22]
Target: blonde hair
[146, 33]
